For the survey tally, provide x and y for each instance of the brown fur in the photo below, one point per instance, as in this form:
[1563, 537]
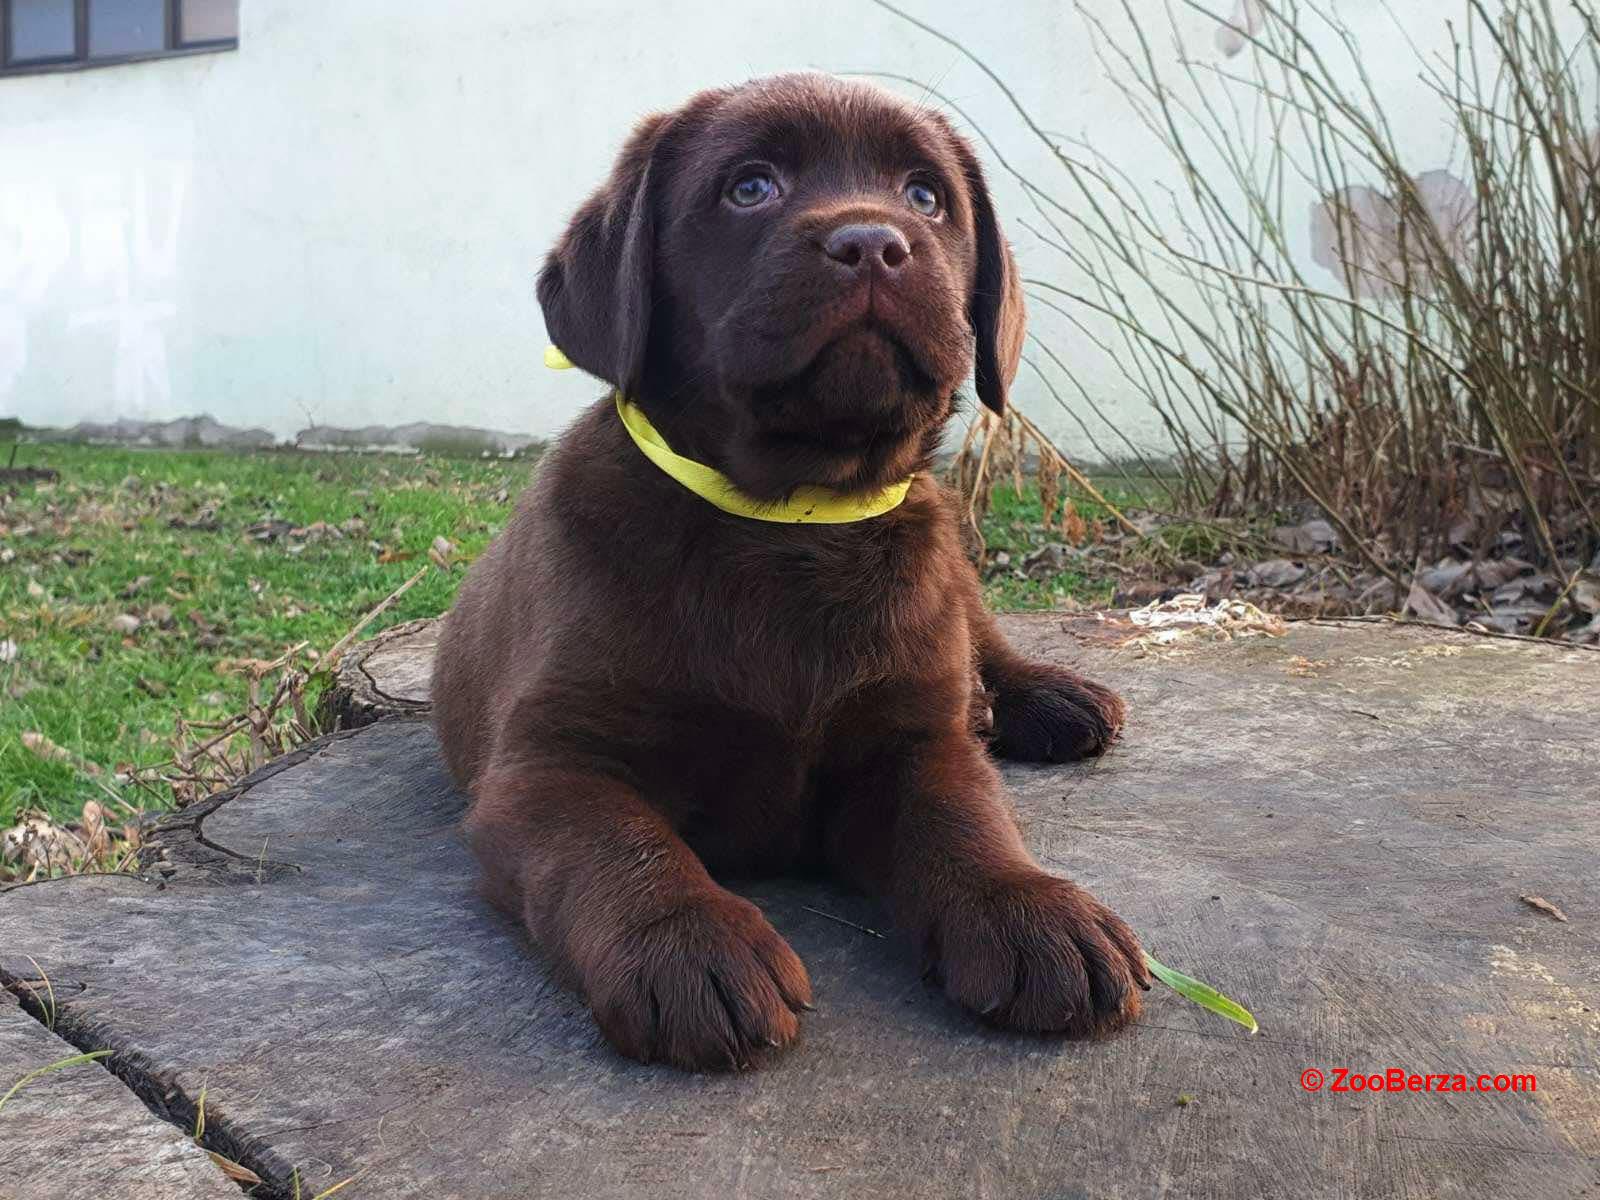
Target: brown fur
[639, 689]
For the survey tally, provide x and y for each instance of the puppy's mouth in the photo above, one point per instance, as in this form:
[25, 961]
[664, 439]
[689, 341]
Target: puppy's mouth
[853, 419]
[863, 385]
[786, 351]
[844, 393]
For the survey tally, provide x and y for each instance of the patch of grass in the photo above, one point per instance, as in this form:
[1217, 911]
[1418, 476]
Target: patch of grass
[1201, 541]
[1014, 525]
[212, 590]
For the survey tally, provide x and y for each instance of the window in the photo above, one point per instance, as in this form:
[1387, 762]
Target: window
[65, 35]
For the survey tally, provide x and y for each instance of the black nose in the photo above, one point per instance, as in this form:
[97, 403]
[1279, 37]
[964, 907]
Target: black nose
[868, 247]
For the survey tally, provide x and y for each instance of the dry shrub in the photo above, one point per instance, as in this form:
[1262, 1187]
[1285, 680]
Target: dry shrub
[1438, 395]
[1011, 449]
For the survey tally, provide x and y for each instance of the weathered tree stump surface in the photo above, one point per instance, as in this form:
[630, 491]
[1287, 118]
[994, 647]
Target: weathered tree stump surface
[385, 676]
[1335, 828]
[79, 1132]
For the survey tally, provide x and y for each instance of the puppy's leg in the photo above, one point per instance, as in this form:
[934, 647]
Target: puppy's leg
[675, 967]
[929, 827]
[1041, 713]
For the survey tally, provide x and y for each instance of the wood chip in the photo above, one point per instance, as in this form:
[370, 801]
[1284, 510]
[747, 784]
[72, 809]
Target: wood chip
[1544, 906]
[233, 1170]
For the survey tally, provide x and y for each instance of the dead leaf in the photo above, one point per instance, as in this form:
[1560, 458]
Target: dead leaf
[270, 530]
[1311, 537]
[97, 841]
[1425, 606]
[442, 553]
[1046, 562]
[1490, 575]
[1276, 573]
[1585, 593]
[134, 587]
[235, 1172]
[1446, 577]
[44, 748]
[1544, 906]
[205, 520]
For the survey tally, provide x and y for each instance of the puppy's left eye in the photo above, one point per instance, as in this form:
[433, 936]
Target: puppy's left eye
[751, 189]
[923, 198]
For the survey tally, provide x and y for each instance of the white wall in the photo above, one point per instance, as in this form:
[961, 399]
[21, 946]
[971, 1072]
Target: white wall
[341, 220]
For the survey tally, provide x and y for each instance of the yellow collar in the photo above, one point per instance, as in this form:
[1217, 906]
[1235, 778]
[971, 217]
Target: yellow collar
[807, 506]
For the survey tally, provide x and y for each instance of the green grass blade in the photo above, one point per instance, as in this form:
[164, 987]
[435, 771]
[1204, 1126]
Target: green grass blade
[45, 1070]
[1202, 994]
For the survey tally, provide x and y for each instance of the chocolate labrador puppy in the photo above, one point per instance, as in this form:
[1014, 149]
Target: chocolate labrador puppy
[640, 688]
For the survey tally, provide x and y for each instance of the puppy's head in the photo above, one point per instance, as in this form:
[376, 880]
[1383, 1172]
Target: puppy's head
[795, 275]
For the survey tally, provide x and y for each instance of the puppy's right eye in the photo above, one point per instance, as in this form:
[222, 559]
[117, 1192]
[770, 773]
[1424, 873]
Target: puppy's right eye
[751, 189]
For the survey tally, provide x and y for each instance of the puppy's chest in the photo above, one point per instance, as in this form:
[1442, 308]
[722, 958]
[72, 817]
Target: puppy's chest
[748, 794]
[822, 616]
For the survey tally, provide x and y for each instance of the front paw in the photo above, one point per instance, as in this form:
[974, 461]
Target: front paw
[1055, 716]
[1033, 952]
[708, 985]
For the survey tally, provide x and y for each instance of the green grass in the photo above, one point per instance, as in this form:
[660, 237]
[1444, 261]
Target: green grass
[1014, 524]
[111, 698]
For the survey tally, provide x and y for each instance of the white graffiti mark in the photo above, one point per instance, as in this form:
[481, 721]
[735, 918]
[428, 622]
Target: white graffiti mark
[120, 253]
[120, 236]
[142, 381]
[35, 243]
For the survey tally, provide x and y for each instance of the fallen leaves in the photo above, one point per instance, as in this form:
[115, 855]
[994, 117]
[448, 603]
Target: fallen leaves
[205, 520]
[37, 847]
[1425, 606]
[1169, 622]
[1276, 573]
[37, 843]
[1306, 668]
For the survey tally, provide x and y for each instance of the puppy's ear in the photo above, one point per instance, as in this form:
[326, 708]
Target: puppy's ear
[595, 285]
[996, 311]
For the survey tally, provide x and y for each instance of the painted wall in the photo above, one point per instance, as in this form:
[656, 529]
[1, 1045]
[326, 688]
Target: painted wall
[340, 221]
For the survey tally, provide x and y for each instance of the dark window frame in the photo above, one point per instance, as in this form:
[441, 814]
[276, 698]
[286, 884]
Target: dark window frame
[79, 60]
